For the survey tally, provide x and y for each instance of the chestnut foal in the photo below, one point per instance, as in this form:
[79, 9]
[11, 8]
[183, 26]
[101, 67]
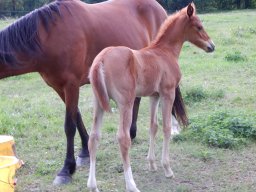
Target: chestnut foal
[121, 74]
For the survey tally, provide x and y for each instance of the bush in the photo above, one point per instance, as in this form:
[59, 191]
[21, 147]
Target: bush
[198, 94]
[235, 57]
[195, 94]
[221, 129]
[222, 138]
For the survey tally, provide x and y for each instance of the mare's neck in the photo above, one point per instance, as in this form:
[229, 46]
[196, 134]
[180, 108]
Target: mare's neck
[7, 70]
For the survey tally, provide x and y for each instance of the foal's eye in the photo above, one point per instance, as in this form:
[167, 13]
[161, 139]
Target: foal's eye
[199, 28]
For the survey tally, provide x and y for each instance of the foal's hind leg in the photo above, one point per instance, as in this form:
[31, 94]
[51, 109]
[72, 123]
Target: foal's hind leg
[167, 103]
[93, 144]
[124, 141]
[154, 101]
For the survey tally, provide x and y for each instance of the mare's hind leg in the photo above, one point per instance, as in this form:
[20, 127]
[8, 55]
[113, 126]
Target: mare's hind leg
[167, 103]
[124, 141]
[93, 143]
[83, 157]
[154, 101]
[133, 128]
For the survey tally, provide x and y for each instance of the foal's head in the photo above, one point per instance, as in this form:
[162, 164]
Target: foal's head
[194, 30]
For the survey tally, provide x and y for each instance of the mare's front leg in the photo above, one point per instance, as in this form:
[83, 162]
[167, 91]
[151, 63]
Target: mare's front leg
[71, 95]
[167, 103]
[93, 144]
[124, 141]
[83, 157]
[133, 128]
[154, 101]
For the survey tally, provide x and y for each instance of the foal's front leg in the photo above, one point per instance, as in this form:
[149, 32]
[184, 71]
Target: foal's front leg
[167, 103]
[93, 144]
[124, 141]
[154, 101]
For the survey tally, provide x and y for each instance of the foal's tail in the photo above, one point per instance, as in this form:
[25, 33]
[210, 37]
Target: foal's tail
[97, 80]
[179, 110]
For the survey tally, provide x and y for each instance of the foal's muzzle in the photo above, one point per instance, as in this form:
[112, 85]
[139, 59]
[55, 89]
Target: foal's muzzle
[210, 47]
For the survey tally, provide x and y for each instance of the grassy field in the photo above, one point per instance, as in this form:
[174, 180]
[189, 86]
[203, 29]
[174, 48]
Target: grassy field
[34, 115]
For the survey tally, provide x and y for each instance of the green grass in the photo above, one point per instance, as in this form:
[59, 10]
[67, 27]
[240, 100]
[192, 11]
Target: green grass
[221, 81]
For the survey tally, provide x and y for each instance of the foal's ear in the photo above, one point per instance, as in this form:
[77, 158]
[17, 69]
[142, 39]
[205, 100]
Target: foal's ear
[190, 9]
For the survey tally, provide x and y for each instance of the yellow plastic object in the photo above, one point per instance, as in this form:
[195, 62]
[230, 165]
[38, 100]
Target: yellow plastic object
[8, 166]
[7, 146]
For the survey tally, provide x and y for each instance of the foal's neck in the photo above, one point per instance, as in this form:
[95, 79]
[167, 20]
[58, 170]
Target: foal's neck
[171, 38]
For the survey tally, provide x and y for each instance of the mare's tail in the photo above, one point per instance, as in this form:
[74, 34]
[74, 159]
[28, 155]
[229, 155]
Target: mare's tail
[97, 80]
[179, 110]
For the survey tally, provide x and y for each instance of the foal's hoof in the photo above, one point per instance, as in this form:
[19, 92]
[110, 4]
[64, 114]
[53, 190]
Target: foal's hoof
[152, 167]
[62, 180]
[133, 190]
[94, 190]
[82, 161]
[169, 174]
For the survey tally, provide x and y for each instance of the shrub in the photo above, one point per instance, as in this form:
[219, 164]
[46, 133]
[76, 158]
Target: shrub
[198, 94]
[220, 129]
[222, 138]
[235, 57]
[195, 94]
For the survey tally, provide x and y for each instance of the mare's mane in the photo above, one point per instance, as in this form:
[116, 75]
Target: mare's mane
[22, 35]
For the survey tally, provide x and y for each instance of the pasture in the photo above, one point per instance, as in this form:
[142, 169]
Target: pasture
[223, 82]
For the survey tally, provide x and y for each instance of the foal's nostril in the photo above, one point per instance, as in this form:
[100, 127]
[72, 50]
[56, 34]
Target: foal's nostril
[211, 47]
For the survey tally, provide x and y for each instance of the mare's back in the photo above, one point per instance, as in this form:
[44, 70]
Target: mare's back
[83, 30]
[132, 23]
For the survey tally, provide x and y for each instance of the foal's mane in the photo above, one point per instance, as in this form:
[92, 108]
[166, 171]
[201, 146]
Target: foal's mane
[166, 25]
[22, 35]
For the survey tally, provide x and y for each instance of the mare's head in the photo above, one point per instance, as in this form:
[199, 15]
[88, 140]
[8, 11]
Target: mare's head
[194, 30]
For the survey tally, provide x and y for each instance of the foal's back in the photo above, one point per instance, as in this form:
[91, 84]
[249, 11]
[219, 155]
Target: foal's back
[136, 72]
[130, 72]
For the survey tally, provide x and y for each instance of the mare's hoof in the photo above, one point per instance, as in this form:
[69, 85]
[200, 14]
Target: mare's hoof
[62, 180]
[82, 161]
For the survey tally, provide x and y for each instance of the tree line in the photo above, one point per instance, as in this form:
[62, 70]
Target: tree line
[209, 5]
[18, 8]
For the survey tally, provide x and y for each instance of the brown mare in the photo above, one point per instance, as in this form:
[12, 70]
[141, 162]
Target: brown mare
[121, 74]
[60, 41]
